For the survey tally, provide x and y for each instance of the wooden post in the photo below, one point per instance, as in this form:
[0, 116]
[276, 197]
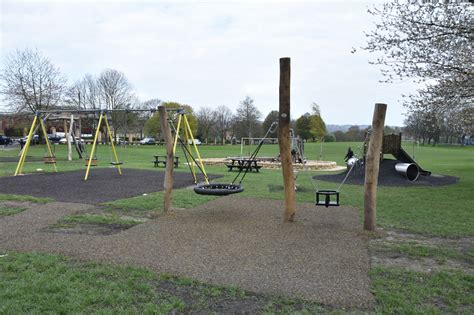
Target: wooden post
[284, 140]
[372, 167]
[168, 184]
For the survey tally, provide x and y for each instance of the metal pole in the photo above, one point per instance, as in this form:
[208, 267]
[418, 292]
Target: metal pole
[93, 147]
[21, 161]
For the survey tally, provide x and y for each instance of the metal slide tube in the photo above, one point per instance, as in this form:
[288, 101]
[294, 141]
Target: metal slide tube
[409, 170]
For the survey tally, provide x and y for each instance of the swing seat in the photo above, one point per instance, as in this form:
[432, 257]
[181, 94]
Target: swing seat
[217, 189]
[323, 198]
[49, 160]
[93, 162]
[116, 163]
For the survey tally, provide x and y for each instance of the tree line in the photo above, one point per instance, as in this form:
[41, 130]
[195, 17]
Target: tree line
[29, 82]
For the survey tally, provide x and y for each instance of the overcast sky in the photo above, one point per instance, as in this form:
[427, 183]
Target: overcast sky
[215, 53]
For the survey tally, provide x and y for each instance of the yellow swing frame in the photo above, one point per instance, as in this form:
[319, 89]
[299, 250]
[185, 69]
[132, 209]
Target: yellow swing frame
[21, 161]
[188, 134]
[103, 116]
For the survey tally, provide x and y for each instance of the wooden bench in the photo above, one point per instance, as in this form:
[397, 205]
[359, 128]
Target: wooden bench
[161, 159]
[243, 164]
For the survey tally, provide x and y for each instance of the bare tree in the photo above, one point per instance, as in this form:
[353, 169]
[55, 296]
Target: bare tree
[115, 93]
[223, 116]
[29, 81]
[76, 95]
[315, 109]
[247, 118]
[93, 96]
[206, 120]
[115, 90]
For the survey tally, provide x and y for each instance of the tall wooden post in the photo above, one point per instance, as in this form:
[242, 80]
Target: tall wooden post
[168, 184]
[372, 167]
[284, 140]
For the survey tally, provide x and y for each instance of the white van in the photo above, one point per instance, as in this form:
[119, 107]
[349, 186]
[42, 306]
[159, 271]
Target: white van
[196, 141]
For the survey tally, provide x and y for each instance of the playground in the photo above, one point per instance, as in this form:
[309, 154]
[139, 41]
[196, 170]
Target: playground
[222, 243]
[281, 247]
[241, 230]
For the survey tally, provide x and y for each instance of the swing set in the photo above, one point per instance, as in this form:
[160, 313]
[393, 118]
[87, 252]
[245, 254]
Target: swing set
[115, 162]
[194, 160]
[91, 160]
[38, 122]
[325, 197]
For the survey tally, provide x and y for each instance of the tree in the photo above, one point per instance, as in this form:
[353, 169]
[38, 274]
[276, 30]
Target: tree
[153, 125]
[223, 122]
[303, 126]
[317, 127]
[354, 133]
[29, 81]
[115, 93]
[115, 90]
[76, 94]
[206, 120]
[143, 117]
[246, 118]
[271, 118]
[427, 41]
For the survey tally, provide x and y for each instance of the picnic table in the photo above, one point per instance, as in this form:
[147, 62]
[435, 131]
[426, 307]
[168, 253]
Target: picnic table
[243, 164]
[161, 159]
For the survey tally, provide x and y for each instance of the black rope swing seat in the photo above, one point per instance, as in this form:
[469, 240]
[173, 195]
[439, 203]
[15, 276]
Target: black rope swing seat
[218, 189]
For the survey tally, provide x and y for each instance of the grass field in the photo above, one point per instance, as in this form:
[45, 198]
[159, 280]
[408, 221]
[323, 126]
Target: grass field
[440, 213]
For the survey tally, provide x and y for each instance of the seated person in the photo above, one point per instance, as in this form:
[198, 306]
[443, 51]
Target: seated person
[349, 155]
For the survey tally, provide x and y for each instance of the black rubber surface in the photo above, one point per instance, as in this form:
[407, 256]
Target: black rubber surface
[388, 176]
[103, 184]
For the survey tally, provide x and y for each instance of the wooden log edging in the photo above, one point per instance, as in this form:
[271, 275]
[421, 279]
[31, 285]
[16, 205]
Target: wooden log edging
[310, 165]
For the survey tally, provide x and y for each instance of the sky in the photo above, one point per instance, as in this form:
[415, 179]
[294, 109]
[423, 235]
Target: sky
[212, 53]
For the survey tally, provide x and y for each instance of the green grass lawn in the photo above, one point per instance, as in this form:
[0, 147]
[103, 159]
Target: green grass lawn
[445, 211]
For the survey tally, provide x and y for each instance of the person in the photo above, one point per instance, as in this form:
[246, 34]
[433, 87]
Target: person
[349, 154]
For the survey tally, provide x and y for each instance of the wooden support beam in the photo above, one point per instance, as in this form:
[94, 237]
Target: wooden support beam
[168, 184]
[372, 167]
[284, 140]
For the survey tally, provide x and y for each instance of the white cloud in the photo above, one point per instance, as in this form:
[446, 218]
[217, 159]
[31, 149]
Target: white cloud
[214, 53]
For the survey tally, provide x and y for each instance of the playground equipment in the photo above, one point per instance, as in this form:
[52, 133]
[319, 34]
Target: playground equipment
[194, 159]
[38, 122]
[233, 187]
[409, 170]
[326, 197]
[297, 148]
[115, 162]
[408, 167]
[50, 158]
[187, 143]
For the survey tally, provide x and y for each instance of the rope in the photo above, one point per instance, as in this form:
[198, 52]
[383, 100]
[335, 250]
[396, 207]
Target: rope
[271, 129]
[350, 169]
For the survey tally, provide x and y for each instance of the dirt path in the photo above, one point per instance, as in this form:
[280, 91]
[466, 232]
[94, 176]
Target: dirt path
[231, 241]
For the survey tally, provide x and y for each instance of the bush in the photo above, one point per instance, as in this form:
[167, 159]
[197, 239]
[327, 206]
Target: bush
[13, 132]
[329, 138]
